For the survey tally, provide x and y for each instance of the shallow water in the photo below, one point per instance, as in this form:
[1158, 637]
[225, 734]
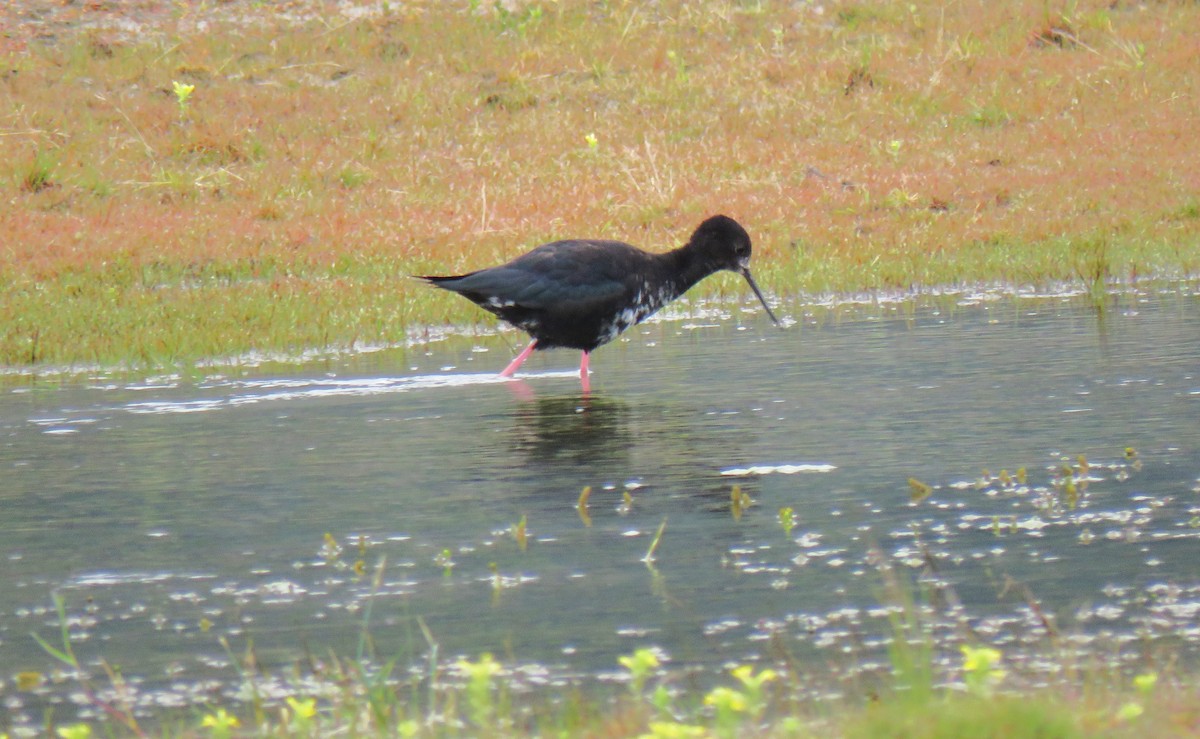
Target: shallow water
[170, 514]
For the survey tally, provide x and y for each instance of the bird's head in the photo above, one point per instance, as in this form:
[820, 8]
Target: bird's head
[722, 243]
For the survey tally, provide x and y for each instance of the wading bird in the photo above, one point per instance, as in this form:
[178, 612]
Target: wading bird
[582, 293]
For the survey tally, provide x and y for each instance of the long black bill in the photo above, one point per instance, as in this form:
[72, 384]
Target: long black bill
[761, 299]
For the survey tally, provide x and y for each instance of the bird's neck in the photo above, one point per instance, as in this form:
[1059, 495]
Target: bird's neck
[684, 269]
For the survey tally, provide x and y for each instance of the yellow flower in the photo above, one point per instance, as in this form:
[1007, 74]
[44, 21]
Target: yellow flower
[1130, 711]
[745, 675]
[182, 91]
[640, 661]
[981, 659]
[408, 728]
[485, 668]
[304, 709]
[1145, 682]
[673, 730]
[726, 699]
[221, 721]
[980, 671]
[74, 731]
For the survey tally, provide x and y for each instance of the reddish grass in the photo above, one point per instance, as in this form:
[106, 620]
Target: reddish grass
[864, 145]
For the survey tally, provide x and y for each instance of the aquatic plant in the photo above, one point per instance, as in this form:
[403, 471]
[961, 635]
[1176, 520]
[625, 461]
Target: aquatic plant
[918, 491]
[787, 519]
[649, 556]
[65, 654]
[518, 531]
[581, 505]
[739, 501]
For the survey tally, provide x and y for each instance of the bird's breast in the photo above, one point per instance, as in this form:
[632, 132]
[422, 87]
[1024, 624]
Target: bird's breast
[644, 303]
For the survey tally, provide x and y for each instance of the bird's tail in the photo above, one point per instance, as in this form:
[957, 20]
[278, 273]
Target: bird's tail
[439, 280]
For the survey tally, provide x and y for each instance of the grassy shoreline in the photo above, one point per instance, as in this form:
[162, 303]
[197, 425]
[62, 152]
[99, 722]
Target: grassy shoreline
[927, 687]
[324, 153]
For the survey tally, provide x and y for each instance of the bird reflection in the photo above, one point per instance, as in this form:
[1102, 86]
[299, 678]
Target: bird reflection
[573, 429]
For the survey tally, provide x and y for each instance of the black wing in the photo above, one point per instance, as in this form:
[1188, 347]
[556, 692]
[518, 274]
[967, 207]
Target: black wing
[566, 276]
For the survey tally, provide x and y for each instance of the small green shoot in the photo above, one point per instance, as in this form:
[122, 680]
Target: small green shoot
[519, 534]
[445, 560]
[582, 505]
[518, 21]
[331, 551]
[66, 655]
[681, 71]
[739, 501]
[649, 558]
[787, 519]
[1131, 456]
[1133, 54]
[918, 491]
[352, 177]
[40, 174]
[1070, 493]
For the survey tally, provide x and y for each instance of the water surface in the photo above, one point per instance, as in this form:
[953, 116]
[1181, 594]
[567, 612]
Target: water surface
[170, 514]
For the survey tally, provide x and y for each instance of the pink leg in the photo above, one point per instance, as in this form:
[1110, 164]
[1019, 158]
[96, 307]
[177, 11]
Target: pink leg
[513, 365]
[584, 380]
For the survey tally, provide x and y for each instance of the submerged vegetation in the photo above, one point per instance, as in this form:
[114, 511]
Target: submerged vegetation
[186, 181]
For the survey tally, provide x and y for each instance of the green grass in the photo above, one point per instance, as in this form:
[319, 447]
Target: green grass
[320, 158]
[961, 716]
